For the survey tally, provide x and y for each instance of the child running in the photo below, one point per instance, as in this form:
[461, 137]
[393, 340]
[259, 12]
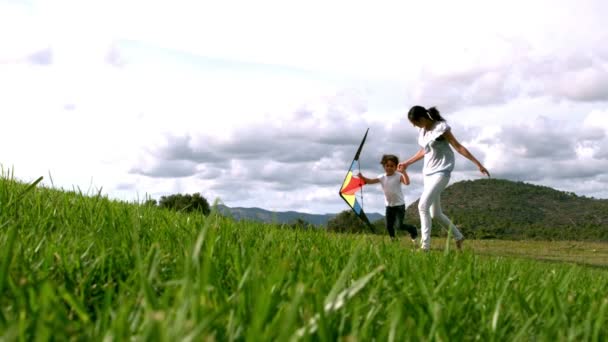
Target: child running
[391, 182]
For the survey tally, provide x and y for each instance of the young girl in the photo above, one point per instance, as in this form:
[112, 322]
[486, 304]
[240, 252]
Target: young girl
[391, 182]
[435, 138]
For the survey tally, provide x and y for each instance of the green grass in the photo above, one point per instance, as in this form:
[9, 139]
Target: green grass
[578, 252]
[77, 267]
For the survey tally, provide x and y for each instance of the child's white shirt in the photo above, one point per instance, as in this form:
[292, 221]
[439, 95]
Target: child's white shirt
[391, 185]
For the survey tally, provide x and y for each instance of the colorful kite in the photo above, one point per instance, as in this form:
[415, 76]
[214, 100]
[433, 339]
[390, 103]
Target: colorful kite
[352, 184]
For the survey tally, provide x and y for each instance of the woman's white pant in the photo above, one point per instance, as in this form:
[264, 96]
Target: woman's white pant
[429, 207]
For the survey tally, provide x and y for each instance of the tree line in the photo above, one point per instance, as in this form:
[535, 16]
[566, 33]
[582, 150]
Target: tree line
[482, 209]
[182, 202]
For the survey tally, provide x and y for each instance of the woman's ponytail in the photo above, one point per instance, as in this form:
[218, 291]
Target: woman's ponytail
[434, 114]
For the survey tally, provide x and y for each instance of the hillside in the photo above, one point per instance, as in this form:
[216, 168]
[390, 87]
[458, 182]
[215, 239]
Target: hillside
[262, 215]
[497, 208]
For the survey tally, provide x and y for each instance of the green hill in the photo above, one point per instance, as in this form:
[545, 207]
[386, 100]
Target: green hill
[267, 216]
[497, 208]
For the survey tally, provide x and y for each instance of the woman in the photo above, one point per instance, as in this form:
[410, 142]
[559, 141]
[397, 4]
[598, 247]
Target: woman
[435, 138]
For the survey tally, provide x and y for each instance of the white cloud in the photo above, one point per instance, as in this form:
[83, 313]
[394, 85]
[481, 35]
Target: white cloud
[252, 101]
[597, 119]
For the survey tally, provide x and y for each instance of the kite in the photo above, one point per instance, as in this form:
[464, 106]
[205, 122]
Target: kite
[352, 184]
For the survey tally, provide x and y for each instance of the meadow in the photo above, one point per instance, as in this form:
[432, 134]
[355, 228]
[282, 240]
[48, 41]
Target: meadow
[79, 266]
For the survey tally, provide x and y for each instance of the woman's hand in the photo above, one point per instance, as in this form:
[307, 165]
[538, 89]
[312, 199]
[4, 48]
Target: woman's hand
[416, 157]
[484, 170]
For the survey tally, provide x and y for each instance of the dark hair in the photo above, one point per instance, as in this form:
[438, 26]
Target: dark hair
[389, 157]
[418, 112]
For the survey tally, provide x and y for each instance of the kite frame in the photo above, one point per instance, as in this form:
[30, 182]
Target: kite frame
[360, 215]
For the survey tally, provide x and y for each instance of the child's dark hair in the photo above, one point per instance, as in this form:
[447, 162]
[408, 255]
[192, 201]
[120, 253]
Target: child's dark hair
[389, 157]
[418, 112]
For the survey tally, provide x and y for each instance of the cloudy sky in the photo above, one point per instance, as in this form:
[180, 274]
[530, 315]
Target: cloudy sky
[263, 103]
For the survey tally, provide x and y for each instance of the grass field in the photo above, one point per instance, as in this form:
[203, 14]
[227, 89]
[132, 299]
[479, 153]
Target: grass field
[577, 252]
[77, 267]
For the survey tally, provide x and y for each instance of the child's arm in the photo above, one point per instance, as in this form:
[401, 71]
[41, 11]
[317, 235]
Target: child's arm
[405, 179]
[368, 180]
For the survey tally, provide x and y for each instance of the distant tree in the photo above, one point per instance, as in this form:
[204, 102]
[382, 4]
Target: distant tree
[346, 222]
[300, 223]
[150, 202]
[187, 203]
[380, 226]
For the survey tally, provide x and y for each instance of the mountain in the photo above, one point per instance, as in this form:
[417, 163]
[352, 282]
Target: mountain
[258, 214]
[489, 209]
[498, 208]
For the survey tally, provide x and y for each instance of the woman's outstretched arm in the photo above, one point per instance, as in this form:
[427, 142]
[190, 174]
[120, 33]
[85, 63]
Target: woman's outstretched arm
[416, 157]
[463, 151]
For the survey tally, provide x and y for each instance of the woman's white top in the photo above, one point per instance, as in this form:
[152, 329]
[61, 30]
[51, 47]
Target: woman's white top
[438, 155]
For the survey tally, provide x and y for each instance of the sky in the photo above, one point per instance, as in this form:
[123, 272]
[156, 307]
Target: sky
[264, 103]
